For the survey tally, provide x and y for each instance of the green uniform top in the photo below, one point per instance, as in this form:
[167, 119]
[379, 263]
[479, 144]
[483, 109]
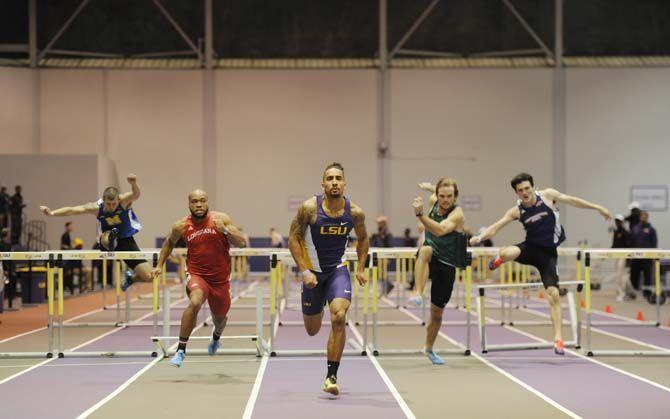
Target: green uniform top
[450, 248]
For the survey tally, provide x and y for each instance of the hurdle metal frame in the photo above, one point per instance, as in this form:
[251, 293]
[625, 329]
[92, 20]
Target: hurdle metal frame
[655, 255]
[575, 318]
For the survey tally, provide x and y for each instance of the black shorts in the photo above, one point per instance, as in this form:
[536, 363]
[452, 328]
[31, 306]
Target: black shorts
[542, 258]
[442, 282]
[128, 244]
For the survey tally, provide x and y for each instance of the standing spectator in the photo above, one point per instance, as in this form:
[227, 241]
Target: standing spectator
[634, 217]
[276, 239]
[383, 238]
[65, 239]
[8, 268]
[643, 236]
[620, 240]
[16, 206]
[4, 207]
[84, 273]
[68, 269]
[408, 240]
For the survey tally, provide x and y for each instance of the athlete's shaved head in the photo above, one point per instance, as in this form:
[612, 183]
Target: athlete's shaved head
[198, 204]
[197, 192]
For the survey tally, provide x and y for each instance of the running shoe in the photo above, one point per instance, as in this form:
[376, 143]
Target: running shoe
[434, 358]
[559, 347]
[330, 385]
[178, 358]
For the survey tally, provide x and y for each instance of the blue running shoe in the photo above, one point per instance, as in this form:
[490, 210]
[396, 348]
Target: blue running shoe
[415, 301]
[434, 358]
[213, 346]
[128, 282]
[178, 359]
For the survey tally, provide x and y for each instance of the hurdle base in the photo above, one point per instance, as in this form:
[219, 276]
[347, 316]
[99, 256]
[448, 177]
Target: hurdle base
[657, 353]
[25, 355]
[392, 352]
[526, 346]
[310, 352]
[636, 323]
[223, 351]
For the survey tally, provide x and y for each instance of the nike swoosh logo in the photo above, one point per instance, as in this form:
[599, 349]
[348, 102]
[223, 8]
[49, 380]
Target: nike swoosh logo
[343, 223]
[347, 291]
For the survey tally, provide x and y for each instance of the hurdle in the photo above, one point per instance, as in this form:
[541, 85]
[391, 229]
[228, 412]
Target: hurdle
[575, 321]
[655, 255]
[373, 345]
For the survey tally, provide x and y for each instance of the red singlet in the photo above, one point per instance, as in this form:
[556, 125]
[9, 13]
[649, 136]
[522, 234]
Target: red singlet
[208, 251]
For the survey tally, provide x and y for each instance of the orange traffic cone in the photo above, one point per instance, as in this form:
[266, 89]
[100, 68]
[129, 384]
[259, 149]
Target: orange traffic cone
[640, 316]
[541, 295]
[608, 308]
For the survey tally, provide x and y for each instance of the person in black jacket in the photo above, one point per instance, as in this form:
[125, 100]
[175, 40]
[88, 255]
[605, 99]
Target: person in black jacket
[383, 238]
[620, 240]
[8, 268]
[643, 236]
[16, 206]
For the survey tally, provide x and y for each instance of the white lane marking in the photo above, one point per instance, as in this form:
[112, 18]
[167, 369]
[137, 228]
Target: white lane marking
[123, 386]
[251, 403]
[496, 368]
[394, 391]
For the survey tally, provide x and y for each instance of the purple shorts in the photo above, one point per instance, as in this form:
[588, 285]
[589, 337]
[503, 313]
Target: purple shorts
[331, 285]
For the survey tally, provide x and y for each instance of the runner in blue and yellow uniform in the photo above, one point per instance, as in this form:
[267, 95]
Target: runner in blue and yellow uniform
[118, 225]
[317, 240]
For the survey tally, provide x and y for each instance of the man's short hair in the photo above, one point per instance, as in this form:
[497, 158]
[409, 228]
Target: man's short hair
[68, 224]
[521, 177]
[335, 165]
[110, 193]
[446, 181]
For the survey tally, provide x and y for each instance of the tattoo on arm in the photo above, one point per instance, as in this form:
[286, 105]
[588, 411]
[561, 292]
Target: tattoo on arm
[297, 234]
[363, 244]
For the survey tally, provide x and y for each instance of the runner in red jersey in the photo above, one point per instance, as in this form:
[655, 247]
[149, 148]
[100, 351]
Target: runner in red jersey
[208, 236]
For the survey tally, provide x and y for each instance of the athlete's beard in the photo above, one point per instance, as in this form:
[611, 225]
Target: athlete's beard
[197, 218]
[335, 195]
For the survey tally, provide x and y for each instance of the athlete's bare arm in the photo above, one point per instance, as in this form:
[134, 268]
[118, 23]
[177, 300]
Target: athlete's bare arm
[363, 243]
[490, 231]
[88, 208]
[169, 244]
[224, 224]
[296, 235]
[126, 199]
[454, 221]
[554, 195]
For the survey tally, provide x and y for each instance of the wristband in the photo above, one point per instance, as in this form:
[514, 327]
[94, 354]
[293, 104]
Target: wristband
[305, 272]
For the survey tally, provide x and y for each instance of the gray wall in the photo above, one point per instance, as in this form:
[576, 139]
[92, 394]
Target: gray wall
[54, 181]
[277, 129]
